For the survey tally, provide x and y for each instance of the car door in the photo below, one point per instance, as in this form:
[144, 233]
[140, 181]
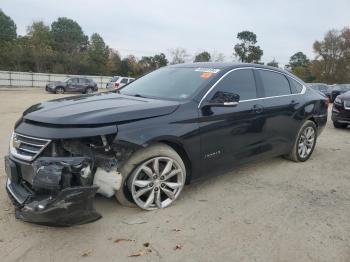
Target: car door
[123, 82]
[280, 106]
[232, 135]
[82, 85]
[72, 84]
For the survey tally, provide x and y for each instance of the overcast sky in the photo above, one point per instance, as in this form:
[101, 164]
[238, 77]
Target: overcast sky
[151, 26]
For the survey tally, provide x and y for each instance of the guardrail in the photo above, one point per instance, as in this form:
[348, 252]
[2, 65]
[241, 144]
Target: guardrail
[29, 79]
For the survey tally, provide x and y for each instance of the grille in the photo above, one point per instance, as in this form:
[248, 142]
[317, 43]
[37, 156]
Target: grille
[26, 147]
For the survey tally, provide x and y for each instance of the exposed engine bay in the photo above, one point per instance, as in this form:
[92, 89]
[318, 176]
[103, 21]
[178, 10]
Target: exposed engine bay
[58, 187]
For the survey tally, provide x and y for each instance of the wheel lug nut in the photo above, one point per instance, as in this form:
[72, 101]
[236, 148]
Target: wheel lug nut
[150, 184]
[156, 189]
[162, 177]
[155, 177]
[162, 185]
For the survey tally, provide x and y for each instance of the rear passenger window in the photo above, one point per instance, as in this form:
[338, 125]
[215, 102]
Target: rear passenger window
[275, 84]
[239, 82]
[124, 81]
[296, 87]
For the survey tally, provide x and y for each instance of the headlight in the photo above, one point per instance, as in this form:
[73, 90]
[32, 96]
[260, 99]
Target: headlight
[338, 101]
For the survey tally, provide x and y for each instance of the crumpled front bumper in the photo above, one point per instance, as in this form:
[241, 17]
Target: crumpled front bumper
[66, 207]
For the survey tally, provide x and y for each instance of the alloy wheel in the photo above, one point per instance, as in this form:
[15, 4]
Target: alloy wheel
[306, 142]
[157, 183]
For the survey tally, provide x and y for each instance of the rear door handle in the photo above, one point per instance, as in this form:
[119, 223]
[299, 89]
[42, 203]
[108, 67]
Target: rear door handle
[258, 109]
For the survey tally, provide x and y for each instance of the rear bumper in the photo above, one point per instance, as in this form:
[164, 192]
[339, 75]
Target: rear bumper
[341, 116]
[66, 207]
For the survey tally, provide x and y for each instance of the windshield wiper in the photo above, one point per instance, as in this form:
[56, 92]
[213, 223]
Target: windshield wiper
[138, 95]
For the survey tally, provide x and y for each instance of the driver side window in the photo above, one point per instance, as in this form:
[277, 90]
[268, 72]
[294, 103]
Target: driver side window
[239, 82]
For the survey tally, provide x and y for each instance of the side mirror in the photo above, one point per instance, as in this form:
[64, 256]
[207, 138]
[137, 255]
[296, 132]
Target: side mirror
[223, 99]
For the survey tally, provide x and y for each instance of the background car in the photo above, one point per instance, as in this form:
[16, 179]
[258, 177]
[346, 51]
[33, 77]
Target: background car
[73, 84]
[322, 88]
[118, 82]
[339, 89]
[341, 111]
[111, 82]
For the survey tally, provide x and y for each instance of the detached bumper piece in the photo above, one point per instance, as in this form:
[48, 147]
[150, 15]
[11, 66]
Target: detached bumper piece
[46, 195]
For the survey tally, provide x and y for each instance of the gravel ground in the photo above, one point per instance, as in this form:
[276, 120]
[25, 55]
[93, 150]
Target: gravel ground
[274, 210]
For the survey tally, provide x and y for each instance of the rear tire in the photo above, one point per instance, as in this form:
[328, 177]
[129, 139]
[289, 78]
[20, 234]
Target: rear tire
[59, 90]
[89, 90]
[304, 143]
[339, 125]
[129, 168]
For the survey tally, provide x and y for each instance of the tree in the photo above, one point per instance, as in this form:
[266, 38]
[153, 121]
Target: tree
[273, 63]
[160, 60]
[40, 47]
[8, 46]
[247, 50]
[217, 57]
[298, 59]
[150, 63]
[332, 54]
[98, 53]
[179, 55]
[68, 36]
[7, 28]
[202, 57]
[114, 62]
[129, 67]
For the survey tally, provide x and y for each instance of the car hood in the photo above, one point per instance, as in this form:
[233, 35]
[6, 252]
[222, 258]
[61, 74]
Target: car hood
[98, 109]
[345, 96]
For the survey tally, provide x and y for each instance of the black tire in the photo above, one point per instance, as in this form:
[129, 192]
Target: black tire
[294, 154]
[59, 90]
[339, 125]
[123, 195]
[89, 90]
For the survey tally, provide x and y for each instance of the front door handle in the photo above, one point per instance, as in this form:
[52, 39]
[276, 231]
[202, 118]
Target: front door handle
[258, 109]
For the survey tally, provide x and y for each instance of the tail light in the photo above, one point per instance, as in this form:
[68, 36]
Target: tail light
[116, 85]
[327, 102]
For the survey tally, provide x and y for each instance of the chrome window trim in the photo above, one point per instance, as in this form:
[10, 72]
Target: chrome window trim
[259, 98]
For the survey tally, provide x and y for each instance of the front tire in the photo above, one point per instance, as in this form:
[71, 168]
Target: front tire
[304, 143]
[339, 125]
[89, 90]
[152, 178]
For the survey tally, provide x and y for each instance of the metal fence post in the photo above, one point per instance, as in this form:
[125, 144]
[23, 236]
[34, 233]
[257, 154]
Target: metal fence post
[101, 82]
[32, 79]
[10, 78]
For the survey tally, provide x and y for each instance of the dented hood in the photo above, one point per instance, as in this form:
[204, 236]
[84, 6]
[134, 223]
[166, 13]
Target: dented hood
[98, 109]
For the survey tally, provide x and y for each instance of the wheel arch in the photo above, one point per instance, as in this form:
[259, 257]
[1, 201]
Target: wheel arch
[178, 147]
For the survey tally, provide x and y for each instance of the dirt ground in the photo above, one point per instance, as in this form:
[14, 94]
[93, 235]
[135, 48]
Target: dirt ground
[274, 210]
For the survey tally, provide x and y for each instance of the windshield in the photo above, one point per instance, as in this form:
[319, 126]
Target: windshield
[170, 83]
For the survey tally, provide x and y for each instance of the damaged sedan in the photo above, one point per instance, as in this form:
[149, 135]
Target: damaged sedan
[144, 142]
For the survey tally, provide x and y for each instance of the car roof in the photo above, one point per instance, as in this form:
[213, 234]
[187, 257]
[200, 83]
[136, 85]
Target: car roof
[230, 66]
[219, 65]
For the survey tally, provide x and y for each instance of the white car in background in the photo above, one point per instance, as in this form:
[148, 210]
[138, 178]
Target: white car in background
[119, 81]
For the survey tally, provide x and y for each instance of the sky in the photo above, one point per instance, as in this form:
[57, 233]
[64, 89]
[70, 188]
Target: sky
[147, 27]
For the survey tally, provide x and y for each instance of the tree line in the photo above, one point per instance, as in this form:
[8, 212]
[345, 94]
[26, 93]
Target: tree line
[62, 47]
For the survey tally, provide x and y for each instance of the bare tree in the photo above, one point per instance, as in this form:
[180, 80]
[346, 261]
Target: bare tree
[179, 55]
